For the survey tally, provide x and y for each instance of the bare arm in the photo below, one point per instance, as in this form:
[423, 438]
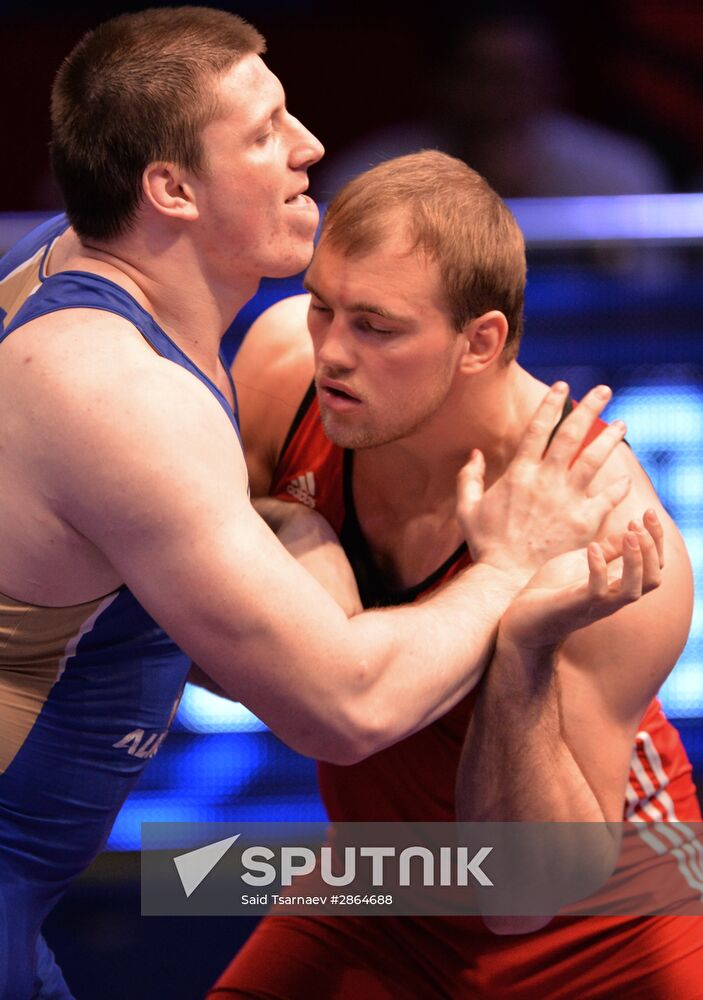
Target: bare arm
[567, 711]
[311, 540]
[161, 494]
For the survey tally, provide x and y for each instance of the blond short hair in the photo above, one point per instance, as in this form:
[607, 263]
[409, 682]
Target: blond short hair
[454, 217]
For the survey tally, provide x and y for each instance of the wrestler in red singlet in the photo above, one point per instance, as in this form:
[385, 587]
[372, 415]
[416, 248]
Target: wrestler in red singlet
[423, 958]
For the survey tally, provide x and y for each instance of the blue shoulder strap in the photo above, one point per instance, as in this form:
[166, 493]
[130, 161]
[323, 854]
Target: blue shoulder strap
[83, 290]
[40, 236]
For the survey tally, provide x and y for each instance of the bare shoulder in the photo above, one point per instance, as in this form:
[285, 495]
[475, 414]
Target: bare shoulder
[633, 651]
[272, 372]
[78, 355]
[83, 384]
[77, 345]
[276, 355]
[642, 494]
[101, 438]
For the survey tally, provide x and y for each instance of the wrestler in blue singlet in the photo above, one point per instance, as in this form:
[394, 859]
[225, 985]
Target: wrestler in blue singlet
[87, 693]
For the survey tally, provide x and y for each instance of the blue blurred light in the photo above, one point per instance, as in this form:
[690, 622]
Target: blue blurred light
[682, 692]
[686, 482]
[174, 808]
[217, 766]
[665, 429]
[660, 416]
[126, 834]
[201, 711]
[676, 217]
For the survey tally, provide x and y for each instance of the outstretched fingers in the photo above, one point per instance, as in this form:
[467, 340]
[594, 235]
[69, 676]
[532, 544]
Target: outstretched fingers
[656, 530]
[611, 546]
[594, 456]
[570, 435]
[642, 554]
[470, 480]
[641, 572]
[650, 541]
[536, 437]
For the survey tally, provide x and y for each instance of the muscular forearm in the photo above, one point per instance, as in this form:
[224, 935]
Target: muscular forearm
[396, 692]
[530, 771]
[462, 619]
[454, 630]
[516, 765]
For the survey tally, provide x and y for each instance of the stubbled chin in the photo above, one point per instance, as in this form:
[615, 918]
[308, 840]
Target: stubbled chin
[345, 436]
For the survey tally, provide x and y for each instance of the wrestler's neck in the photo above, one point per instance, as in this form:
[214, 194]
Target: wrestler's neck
[175, 284]
[489, 412]
[405, 492]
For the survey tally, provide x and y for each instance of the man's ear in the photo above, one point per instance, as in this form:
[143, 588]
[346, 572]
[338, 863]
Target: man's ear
[485, 338]
[167, 190]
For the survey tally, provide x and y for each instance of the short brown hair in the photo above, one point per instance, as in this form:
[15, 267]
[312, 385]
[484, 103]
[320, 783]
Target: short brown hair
[453, 216]
[136, 89]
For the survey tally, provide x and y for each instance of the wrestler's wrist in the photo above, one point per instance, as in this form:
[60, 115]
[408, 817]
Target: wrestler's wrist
[505, 572]
[529, 631]
[527, 648]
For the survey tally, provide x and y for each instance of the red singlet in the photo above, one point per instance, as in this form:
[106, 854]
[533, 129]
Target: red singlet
[427, 958]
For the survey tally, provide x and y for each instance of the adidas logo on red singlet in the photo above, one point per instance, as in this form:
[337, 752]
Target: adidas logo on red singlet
[303, 489]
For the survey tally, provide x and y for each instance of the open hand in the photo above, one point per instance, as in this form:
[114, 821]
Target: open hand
[578, 588]
[545, 503]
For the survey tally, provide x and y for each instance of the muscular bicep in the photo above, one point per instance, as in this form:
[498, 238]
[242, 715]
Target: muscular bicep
[167, 505]
[610, 672]
[646, 637]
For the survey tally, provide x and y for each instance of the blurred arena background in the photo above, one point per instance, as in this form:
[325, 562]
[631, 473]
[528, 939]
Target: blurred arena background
[614, 295]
